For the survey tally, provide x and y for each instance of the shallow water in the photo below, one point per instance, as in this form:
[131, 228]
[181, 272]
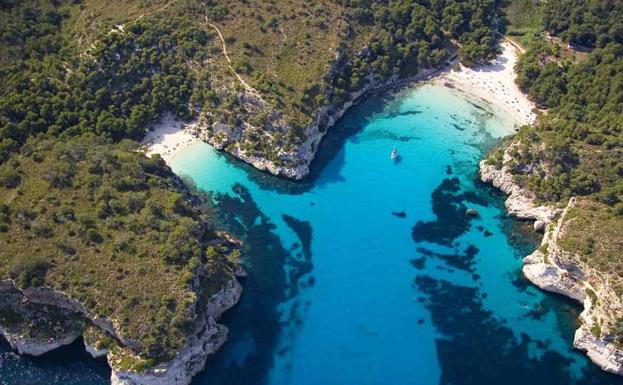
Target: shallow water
[371, 272]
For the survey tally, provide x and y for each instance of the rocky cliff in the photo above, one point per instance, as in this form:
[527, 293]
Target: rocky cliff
[552, 269]
[36, 321]
[292, 160]
[207, 339]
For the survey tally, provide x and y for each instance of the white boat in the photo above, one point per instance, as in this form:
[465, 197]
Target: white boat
[394, 154]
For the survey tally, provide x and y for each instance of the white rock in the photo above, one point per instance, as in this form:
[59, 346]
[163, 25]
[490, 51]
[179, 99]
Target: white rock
[191, 360]
[520, 201]
[539, 225]
[24, 345]
[179, 371]
[604, 354]
[550, 269]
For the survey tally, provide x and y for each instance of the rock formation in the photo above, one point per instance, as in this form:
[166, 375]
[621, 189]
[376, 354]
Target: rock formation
[552, 269]
[36, 321]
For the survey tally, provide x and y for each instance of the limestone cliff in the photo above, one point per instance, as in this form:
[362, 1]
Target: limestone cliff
[293, 160]
[36, 321]
[552, 269]
[206, 340]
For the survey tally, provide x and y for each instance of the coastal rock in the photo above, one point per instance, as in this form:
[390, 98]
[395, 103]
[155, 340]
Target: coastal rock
[520, 202]
[33, 306]
[96, 342]
[191, 359]
[539, 225]
[604, 354]
[36, 347]
[551, 269]
[94, 351]
[551, 278]
[25, 325]
[471, 212]
[294, 163]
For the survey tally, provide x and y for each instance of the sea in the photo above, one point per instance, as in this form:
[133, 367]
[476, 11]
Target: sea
[369, 271]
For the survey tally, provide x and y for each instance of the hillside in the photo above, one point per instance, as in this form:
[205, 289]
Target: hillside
[105, 243]
[97, 222]
[264, 79]
[573, 157]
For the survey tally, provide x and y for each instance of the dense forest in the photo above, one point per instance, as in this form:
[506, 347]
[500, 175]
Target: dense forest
[133, 73]
[573, 71]
[578, 143]
[98, 220]
[594, 23]
[128, 80]
[409, 35]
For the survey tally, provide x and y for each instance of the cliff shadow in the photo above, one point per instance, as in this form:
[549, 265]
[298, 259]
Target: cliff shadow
[67, 365]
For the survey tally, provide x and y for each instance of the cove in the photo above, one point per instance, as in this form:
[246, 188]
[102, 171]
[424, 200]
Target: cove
[370, 272]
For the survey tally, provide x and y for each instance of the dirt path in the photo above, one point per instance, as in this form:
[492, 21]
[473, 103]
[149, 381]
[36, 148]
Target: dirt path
[514, 44]
[247, 87]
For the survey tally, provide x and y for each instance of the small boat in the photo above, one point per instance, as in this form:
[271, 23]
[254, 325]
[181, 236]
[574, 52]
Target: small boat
[394, 154]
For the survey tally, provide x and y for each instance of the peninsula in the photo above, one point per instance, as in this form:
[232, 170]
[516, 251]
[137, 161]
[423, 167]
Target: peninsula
[102, 241]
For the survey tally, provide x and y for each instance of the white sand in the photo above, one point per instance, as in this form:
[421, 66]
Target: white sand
[169, 137]
[495, 83]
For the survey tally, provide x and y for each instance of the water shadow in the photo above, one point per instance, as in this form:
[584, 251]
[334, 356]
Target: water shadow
[478, 348]
[68, 365]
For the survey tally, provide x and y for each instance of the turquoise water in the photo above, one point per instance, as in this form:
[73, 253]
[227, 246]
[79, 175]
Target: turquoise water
[370, 272]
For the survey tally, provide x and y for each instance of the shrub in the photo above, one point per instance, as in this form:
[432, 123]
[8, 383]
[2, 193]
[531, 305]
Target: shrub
[10, 178]
[30, 272]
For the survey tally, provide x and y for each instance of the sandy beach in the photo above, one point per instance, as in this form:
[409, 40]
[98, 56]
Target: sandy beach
[494, 83]
[168, 137]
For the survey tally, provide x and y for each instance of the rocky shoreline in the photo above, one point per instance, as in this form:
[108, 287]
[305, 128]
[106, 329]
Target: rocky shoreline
[192, 358]
[304, 153]
[553, 270]
[66, 320]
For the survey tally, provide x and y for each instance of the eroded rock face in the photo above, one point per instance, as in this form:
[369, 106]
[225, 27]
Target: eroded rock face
[546, 267]
[192, 358]
[552, 269]
[25, 344]
[38, 320]
[604, 354]
[520, 202]
[293, 162]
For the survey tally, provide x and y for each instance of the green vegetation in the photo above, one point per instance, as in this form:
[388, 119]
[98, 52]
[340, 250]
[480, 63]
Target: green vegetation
[82, 211]
[576, 147]
[587, 23]
[99, 222]
[524, 18]
[72, 67]
[409, 35]
[128, 80]
[593, 233]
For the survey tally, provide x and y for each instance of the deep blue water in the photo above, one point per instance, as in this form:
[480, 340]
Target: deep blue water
[370, 272]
